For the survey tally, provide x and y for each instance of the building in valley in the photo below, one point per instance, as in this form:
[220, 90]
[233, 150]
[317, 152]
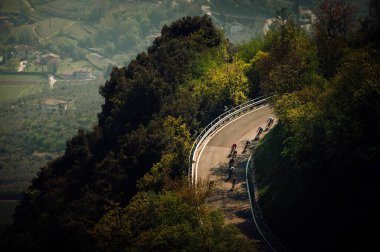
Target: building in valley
[82, 73]
[50, 105]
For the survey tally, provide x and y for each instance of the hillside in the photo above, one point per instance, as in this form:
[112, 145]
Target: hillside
[86, 37]
[28, 138]
[128, 175]
[121, 185]
[94, 34]
[317, 170]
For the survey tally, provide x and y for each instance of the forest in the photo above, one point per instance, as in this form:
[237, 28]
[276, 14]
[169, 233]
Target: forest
[318, 169]
[122, 186]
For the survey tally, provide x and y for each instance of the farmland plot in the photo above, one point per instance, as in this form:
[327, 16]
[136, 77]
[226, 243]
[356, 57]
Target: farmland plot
[51, 26]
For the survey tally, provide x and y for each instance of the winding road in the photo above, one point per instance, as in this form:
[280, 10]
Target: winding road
[211, 162]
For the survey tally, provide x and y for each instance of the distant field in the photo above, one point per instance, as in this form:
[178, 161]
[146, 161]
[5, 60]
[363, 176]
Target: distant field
[121, 58]
[24, 31]
[6, 211]
[9, 93]
[68, 64]
[89, 29]
[71, 9]
[100, 63]
[12, 6]
[16, 86]
[48, 28]
[11, 65]
[37, 16]
[51, 26]
[133, 8]
[77, 31]
[22, 79]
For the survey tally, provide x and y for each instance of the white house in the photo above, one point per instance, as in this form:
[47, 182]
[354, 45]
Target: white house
[50, 105]
[44, 59]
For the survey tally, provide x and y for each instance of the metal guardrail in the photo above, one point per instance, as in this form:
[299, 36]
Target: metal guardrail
[254, 208]
[270, 239]
[244, 108]
[217, 122]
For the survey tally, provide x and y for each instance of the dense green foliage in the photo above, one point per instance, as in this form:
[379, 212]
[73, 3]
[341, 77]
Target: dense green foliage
[165, 222]
[131, 167]
[122, 186]
[318, 170]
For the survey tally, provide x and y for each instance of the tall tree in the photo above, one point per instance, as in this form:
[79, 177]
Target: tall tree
[333, 28]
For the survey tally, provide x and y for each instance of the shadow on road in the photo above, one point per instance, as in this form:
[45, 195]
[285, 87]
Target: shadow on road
[234, 204]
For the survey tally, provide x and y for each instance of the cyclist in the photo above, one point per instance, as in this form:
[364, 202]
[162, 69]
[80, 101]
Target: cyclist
[270, 120]
[233, 148]
[269, 123]
[234, 181]
[246, 145]
[259, 131]
[231, 163]
[234, 154]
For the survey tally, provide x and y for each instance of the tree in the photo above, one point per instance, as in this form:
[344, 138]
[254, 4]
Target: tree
[173, 162]
[374, 16]
[53, 65]
[329, 143]
[290, 63]
[281, 37]
[225, 83]
[160, 222]
[371, 25]
[333, 28]
[296, 10]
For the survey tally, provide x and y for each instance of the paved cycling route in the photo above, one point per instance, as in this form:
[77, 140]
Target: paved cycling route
[212, 163]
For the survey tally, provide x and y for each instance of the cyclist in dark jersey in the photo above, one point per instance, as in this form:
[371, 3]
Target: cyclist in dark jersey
[259, 131]
[246, 145]
[269, 123]
[233, 148]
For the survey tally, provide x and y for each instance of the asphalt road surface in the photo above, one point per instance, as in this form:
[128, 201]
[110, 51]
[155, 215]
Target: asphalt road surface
[212, 164]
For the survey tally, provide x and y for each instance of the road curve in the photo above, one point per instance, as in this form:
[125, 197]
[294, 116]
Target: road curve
[213, 153]
[211, 162]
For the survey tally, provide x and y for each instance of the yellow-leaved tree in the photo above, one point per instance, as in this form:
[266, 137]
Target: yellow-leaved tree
[226, 82]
